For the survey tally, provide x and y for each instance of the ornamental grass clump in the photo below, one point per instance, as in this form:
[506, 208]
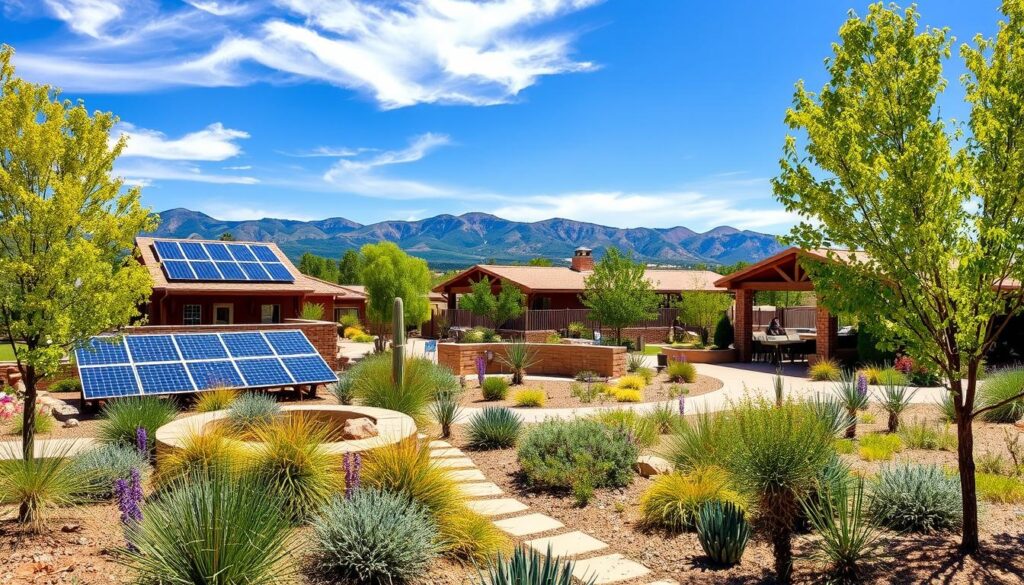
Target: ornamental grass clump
[629, 396]
[373, 385]
[775, 454]
[494, 388]
[494, 428]
[37, 486]
[700, 441]
[1000, 489]
[642, 429]
[200, 452]
[215, 399]
[681, 371]
[251, 410]
[916, 498]
[723, 531]
[344, 389]
[559, 454]
[848, 537]
[529, 398]
[634, 361]
[105, 464]
[878, 447]
[43, 423]
[831, 411]
[631, 382]
[374, 537]
[674, 500]
[921, 434]
[998, 390]
[212, 528]
[122, 417]
[445, 409]
[825, 371]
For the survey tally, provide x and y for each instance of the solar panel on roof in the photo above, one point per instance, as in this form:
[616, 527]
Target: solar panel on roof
[101, 351]
[205, 270]
[263, 253]
[178, 270]
[231, 271]
[194, 251]
[213, 374]
[152, 348]
[277, 271]
[241, 252]
[218, 251]
[246, 344]
[308, 370]
[264, 372]
[254, 270]
[213, 261]
[169, 250]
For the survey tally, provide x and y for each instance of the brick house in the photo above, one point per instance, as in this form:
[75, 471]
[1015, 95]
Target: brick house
[198, 301]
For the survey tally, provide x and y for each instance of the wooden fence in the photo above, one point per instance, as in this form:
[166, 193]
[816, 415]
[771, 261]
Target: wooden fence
[792, 317]
[540, 320]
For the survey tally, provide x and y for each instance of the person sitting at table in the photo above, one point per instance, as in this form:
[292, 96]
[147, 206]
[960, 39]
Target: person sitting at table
[775, 328]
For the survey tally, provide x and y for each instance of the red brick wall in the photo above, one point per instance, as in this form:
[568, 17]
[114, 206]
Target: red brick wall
[650, 334]
[744, 324]
[552, 359]
[246, 309]
[828, 331]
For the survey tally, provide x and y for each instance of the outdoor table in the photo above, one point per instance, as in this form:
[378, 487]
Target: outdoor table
[777, 343]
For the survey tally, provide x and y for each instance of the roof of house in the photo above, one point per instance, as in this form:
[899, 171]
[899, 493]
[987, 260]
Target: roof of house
[564, 279]
[303, 284]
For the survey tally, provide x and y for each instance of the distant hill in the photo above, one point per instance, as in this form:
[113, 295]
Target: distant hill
[449, 240]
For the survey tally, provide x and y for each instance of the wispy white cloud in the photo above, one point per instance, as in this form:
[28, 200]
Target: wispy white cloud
[238, 168]
[364, 176]
[148, 171]
[330, 152]
[400, 53]
[213, 143]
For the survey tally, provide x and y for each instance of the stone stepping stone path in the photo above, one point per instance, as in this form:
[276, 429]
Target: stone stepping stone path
[513, 517]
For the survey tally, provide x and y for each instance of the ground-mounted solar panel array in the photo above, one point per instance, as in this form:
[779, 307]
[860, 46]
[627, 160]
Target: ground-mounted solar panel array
[131, 365]
[214, 261]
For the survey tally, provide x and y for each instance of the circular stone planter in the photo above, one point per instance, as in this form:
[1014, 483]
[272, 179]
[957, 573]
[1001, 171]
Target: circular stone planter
[392, 426]
[701, 356]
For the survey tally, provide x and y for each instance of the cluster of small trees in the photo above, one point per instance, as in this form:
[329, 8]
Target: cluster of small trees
[347, 270]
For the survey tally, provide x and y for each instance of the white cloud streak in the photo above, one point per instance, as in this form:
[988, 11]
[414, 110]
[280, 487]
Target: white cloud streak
[363, 176]
[213, 143]
[146, 172]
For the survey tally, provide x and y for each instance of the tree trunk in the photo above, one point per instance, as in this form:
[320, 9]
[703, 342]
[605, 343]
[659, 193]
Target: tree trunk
[851, 431]
[969, 496]
[28, 427]
[894, 422]
[782, 547]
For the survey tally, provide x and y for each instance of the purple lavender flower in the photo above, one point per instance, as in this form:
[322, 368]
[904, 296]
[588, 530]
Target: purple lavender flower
[129, 499]
[353, 463]
[862, 385]
[142, 441]
[682, 405]
[481, 369]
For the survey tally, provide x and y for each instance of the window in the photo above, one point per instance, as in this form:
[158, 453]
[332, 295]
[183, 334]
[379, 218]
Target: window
[340, 311]
[270, 313]
[192, 315]
[223, 314]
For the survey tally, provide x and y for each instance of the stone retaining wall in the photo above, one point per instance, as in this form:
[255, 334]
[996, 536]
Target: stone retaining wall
[700, 356]
[551, 359]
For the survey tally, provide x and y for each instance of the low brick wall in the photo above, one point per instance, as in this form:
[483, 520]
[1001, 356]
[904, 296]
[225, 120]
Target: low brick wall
[701, 356]
[551, 359]
[649, 334]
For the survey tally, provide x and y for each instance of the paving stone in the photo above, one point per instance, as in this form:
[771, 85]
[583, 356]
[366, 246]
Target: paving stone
[608, 569]
[467, 475]
[529, 524]
[664, 583]
[569, 544]
[446, 453]
[498, 507]
[455, 463]
[439, 445]
[480, 489]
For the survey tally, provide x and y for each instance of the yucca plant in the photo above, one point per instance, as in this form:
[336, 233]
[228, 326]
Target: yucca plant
[38, 485]
[634, 361]
[529, 567]
[215, 399]
[831, 411]
[723, 531]
[251, 410]
[122, 417]
[848, 537]
[853, 395]
[212, 529]
[518, 357]
[895, 398]
[947, 407]
[446, 409]
[494, 428]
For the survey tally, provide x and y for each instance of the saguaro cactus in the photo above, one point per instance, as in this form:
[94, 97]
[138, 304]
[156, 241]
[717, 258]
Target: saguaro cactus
[398, 343]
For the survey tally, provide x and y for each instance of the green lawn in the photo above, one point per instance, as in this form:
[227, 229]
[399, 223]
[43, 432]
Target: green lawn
[6, 352]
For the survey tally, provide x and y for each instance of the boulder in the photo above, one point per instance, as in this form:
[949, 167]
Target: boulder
[71, 423]
[58, 408]
[648, 465]
[359, 428]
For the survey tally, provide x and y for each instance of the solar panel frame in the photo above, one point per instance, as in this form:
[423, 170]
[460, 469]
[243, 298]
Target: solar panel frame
[194, 250]
[263, 253]
[178, 270]
[165, 378]
[264, 372]
[200, 346]
[187, 260]
[211, 374]
[168, 250]
[109, 382]
[309, 370]
[205, 270]
[152, 348]
[289, 343]
[103, 351]
[218, 251]
[246, 344]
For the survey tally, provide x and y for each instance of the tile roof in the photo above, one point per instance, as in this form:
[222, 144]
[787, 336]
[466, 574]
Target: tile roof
[303, 284]
[564, 279]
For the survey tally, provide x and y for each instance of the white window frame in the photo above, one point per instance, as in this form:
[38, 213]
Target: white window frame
[186, 320]
[231, 312]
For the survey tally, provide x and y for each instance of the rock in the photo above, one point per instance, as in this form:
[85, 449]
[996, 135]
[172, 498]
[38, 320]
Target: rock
[58, 408]
[43, 558]
[648, 465]
[359, 428]
[71, 528]
[71, 423]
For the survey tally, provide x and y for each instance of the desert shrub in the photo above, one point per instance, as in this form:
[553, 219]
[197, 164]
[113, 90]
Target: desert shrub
[891, 376]
[999, 489]
[700, 442]
[526, 566]
[215, 399]
[920, 434]
[723, 531]
[674, 500]
[825, 370]
[916, 498]
[36, 486]
[530, 397]
[631, 382]
[586, 392]
[848, 538]
[647, 374]
[946, 407]
[66, 385]
[290, 459]
[495, 388]
[878, 447]
[845, 446]
[494, 428]
[105, 464]
[374, 537]
[642, 429]
[557, 453]
[122, 417]
[664, 418]
[629, 396]
[866, 417]
[518, 357]
[212, 528]
[446, 409]
[634, 361]
[349, 320]
[553, 338]
[353, 331]
[344, 389]
[989, 462]
[312, 311]
[998, 387]
[374, 386]
[44, 423]
[587, 376]
[680, 371]
[406, 468]
[480, 335]
[724, 333]
[776, 454]
[251, 410]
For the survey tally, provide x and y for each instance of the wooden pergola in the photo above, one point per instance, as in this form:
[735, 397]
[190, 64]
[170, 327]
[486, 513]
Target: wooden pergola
[781, 272]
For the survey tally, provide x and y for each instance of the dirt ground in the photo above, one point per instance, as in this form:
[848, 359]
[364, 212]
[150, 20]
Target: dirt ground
[559, 394]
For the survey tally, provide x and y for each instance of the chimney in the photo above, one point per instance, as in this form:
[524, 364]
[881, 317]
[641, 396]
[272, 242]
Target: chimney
[583, 260]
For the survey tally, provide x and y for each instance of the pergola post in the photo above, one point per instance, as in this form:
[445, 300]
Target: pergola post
[743, 337]
[828, 333]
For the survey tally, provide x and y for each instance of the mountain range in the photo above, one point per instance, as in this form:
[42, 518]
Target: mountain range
[448, 241]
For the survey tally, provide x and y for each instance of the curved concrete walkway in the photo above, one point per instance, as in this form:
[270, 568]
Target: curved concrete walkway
[738, 381]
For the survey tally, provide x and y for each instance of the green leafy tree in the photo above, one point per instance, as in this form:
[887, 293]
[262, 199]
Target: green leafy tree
[702, 309]
[349, 267]
[318, 267]
[226, 237]
[388, 272]
[935, 215]
[67, 230]
[618, 293]
[539, 261]
[499, 308]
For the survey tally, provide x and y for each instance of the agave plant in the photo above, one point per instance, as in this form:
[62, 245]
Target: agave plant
[723, 531]
[518, 357]
[895, 398]
[853, 396]
[528, 567]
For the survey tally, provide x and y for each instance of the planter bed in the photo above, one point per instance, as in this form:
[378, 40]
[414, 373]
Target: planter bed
[700, 356]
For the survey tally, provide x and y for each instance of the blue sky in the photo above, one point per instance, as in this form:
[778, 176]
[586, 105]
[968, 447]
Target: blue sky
[622, 112]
